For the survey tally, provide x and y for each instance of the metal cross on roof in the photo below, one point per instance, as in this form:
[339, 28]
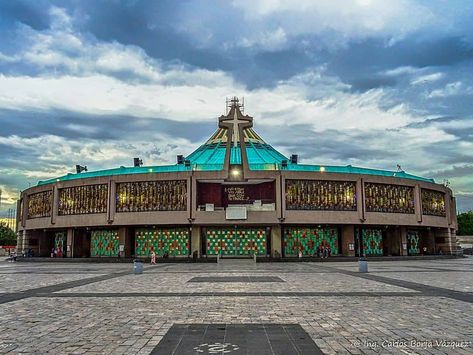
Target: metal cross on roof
[235, 122]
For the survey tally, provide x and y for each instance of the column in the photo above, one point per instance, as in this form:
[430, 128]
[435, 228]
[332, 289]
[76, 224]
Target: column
[122, 235]
[348, 237]
[55, 206]
[70, 243]
[418, 203]
[21, 241]
[403, 231]
[112, 201]
[195, 240]
[445, 240]
[360, 199]
[276, 240]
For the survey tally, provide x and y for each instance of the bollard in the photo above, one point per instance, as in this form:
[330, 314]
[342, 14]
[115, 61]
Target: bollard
[137, 267]
[362, 265]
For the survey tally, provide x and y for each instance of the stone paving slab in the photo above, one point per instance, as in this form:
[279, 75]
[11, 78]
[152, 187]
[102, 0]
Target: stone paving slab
[336, 324]
[438, 279]
[294, 282]
[22, 282]
[392, 309]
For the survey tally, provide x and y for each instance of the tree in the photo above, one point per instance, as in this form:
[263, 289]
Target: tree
[465, 223]
[7, 235]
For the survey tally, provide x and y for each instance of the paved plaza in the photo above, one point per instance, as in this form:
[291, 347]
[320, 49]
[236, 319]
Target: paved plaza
[238, 307]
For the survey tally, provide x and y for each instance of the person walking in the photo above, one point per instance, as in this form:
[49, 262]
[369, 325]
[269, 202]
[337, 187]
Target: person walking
[300, 254]
[153, 257]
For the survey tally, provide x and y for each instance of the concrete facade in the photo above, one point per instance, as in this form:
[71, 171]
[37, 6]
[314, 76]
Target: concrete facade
[436, 232]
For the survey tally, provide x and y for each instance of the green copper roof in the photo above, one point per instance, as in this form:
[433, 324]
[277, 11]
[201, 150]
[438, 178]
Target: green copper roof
[253, 166]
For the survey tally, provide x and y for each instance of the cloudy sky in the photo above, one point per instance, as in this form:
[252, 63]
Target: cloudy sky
[368, 83]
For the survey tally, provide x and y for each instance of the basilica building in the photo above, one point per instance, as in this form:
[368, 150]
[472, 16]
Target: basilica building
[236, 195]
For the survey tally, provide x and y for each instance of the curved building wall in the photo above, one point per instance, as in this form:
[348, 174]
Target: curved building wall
[301, 198]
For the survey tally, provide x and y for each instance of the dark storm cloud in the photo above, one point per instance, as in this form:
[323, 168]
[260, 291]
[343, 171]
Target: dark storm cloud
[74, 125]
[327, 144]
[31, 13]
[455, 171]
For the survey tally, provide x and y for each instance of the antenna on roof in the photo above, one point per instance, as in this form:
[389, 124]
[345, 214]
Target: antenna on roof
[234, 101]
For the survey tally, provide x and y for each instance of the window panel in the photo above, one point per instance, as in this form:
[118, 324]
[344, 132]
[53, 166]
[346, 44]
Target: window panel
[145, 196]
[40, 204]
[320, 195]
[389, 198]
[83, 200]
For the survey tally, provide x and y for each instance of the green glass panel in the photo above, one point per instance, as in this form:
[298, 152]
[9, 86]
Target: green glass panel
[236, 241]
[60, 241]
[372, 241]
[308, 239]
[413, 242]
[173, 241]
[104, 243]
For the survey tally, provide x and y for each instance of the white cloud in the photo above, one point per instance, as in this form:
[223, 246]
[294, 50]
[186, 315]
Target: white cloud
[428, 78]
[452, 89]
[267, 40]
[352, 18]
[8, 196]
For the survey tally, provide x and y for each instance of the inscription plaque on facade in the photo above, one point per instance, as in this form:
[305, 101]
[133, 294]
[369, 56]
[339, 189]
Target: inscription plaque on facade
[236, 194]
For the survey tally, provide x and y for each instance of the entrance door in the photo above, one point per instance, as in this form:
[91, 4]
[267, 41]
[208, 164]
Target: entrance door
[236, 241]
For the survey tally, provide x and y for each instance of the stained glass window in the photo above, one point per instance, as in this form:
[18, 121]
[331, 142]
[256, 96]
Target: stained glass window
[372, 241]
[40, 204]
[83, 199]
[433, 203]
[173, 241]
[320, 195]
[389, 198]
[236, 241]
[309, 239]
[413, 238]
[104, 243]
[166, 195]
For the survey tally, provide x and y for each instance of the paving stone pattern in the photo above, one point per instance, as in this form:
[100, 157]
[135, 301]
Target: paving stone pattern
[404, 307]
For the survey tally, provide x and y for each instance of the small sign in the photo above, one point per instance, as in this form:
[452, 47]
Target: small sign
[236, 212]
[404, 246]
[68, 248]
[122, 247]
[351, 246]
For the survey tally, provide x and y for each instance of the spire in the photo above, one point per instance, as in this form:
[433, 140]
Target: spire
[235, 122]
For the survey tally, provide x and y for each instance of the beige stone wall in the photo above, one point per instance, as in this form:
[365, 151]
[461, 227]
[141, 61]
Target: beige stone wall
[360, 216]
[195, 219]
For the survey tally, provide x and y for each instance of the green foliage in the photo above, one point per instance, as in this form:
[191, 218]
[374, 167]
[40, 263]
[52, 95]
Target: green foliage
[7, 235]
[465, 223]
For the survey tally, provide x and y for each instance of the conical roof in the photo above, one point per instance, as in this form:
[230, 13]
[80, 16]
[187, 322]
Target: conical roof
[212, 152]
